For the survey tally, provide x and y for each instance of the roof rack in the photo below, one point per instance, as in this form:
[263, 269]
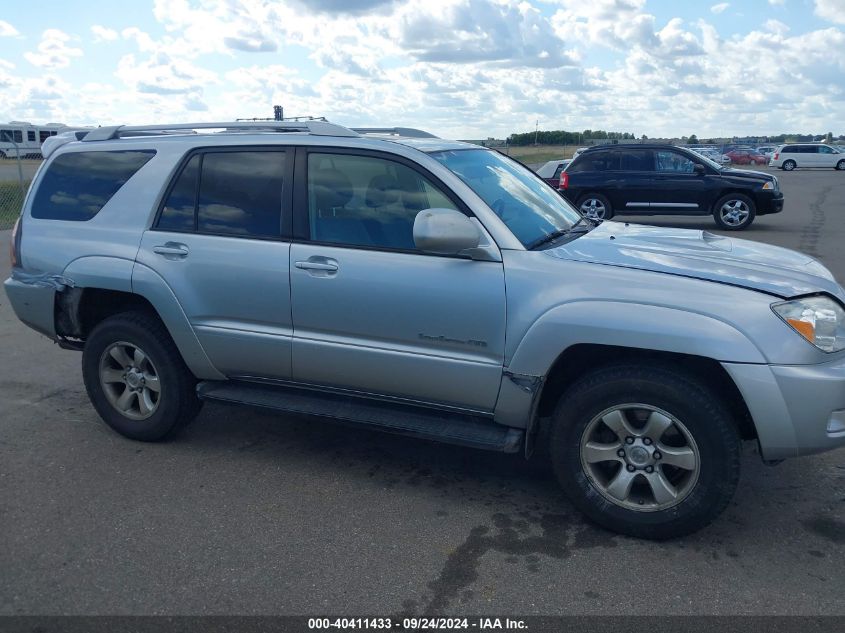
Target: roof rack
[407, 132]
[317, 128]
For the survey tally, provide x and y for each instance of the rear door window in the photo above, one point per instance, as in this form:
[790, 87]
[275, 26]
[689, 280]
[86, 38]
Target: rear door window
[77, 185]
[636, 160]
[228, 193]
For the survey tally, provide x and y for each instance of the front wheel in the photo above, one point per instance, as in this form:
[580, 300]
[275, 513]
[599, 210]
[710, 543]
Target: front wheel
[734, 212]
[136, 378]
[841, 165]
[788, 165]
[645, 450]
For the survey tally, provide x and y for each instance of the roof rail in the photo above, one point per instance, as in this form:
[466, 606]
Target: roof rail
[407, 132]
[317, 128]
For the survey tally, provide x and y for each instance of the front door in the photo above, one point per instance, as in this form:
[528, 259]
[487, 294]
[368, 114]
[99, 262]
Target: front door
[373, 314]
[218, 245]
[678, 190]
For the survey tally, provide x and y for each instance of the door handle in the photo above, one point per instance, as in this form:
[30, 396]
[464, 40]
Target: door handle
[328, 267]
[172, 250]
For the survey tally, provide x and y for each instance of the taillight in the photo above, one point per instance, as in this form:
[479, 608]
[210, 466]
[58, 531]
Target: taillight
[775, 157]
[564, 180]
[15, 245]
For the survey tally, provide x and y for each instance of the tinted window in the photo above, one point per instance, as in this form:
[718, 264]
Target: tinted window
[558, 171]
[636, 160]
[667, 161]
[241, 193]
[823, 149]
[77, 185]
[600, 161]
[30, 135]
[366, 201]
[179, 208]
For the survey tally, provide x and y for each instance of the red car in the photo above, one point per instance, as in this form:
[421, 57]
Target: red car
[747, 157]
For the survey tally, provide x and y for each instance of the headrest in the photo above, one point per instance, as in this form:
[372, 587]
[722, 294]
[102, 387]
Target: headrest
[383, 190]
[332, 188]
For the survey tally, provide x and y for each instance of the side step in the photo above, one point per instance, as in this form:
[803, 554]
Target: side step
[421, 422]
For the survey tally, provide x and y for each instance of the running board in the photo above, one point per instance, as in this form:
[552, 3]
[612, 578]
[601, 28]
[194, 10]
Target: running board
[421, 422]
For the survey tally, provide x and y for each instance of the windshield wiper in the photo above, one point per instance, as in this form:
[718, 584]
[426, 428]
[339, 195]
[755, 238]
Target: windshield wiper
[551, 237]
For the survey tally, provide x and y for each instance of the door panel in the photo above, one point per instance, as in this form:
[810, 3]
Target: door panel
[217, 244]
[678, 190]
[235, 293]
[415, 326]
[370, 312]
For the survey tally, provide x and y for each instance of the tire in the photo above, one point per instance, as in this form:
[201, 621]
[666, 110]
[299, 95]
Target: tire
[701, 435]
[151, 413]
[734, 212]
[841, 165]
[788, 165]
[595, 206]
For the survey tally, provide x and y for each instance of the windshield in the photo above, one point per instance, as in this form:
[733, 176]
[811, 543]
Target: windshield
[527, 205]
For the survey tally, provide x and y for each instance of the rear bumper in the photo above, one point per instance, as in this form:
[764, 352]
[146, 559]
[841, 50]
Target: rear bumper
[797, 409]
[33, 303]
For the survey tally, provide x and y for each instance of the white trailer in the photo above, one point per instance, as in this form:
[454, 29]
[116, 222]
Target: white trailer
[25, 139]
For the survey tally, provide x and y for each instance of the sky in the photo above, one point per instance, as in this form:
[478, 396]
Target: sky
[458, 68]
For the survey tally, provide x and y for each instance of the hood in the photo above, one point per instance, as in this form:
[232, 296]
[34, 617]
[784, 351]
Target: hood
[746, 174]
[702, 255]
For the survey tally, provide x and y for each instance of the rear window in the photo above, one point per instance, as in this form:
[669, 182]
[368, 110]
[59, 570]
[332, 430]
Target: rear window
[77, 185]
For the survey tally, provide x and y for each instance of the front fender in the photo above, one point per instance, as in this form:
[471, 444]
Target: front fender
[633, 325]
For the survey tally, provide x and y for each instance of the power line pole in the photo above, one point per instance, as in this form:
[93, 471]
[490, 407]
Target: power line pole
[536, 130]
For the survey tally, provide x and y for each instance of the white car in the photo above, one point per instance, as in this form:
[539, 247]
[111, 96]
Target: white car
[550, 172]
[767, 150]
[788, 157]
[713, 154]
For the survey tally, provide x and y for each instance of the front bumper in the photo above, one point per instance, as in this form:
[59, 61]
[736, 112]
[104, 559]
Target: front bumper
[797, 409]
[768, 203]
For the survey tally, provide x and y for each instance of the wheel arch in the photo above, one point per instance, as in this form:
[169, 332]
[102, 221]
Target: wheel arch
[579, 359]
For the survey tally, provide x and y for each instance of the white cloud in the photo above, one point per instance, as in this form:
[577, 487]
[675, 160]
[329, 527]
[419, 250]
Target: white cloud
[103, 34]
[7, 30]
[53, 51]
[777, 3]
[462, 68]
[719, 8]
[832, 10]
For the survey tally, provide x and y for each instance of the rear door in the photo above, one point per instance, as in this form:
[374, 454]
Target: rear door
[373, 314]
[635, 178]
[218, 244]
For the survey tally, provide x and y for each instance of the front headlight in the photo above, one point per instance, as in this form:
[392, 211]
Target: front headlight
[820, 320]
[768, 185]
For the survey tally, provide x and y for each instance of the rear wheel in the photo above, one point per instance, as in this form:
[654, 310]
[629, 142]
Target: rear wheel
[136, 378]
[645, 450]
[734, 212]
[595, 206]
[788, 165]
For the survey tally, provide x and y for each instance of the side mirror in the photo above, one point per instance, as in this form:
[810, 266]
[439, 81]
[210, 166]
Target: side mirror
[698, 169]
[445, 232]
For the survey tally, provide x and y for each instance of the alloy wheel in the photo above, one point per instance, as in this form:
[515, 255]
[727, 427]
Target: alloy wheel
[129, 380]
[734, 212]
[640, 457]
[593, 209]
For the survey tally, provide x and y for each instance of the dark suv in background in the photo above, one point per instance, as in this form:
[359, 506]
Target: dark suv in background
[666, 180]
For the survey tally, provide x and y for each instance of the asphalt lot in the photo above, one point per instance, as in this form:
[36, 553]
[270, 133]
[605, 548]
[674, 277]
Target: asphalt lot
[253, 513]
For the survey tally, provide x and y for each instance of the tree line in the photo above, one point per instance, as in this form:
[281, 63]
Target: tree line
[563, 137]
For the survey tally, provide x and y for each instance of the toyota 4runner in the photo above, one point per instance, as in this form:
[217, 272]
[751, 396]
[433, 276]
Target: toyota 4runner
[430, 288]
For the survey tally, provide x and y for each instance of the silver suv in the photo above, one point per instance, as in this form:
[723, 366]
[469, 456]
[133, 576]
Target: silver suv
[430, 288]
